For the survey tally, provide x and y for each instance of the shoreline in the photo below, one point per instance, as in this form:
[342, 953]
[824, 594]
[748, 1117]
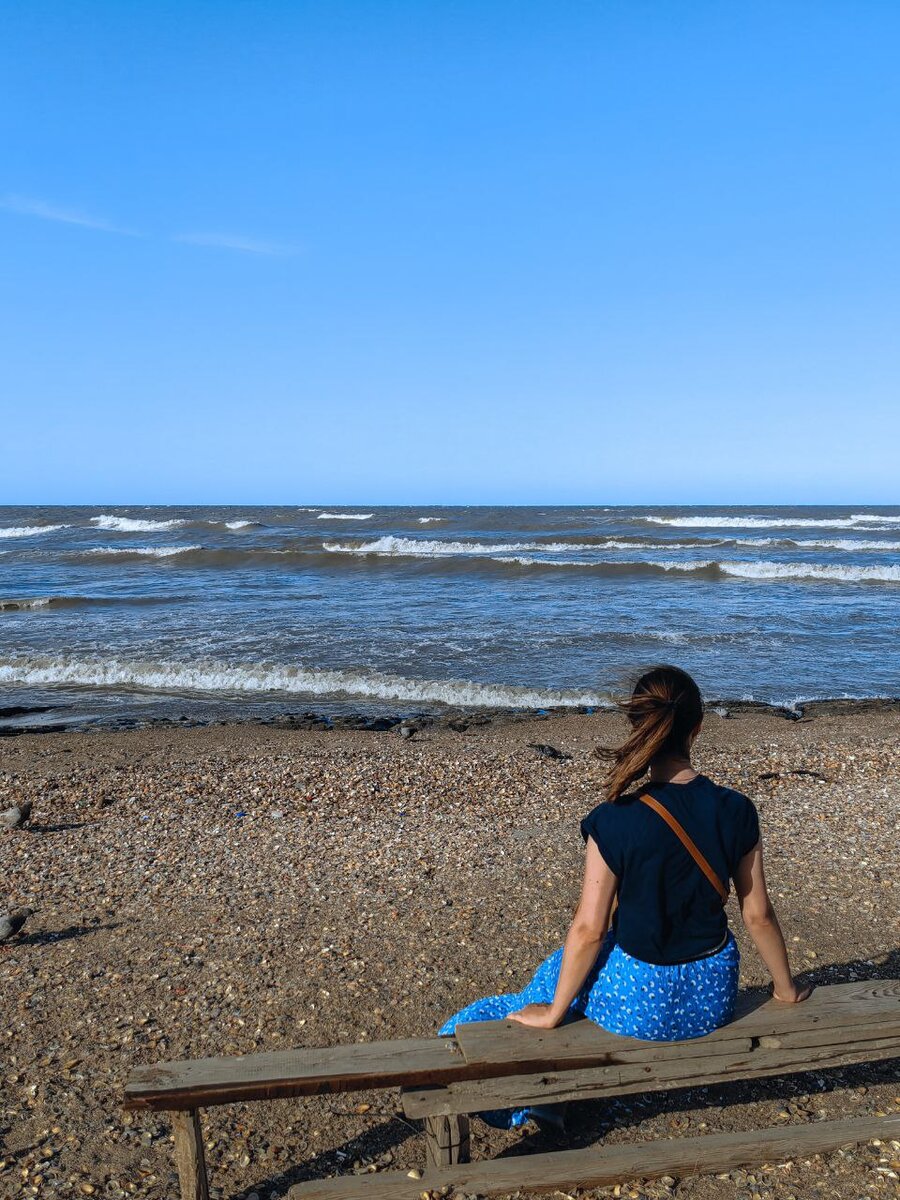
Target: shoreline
[17, 720]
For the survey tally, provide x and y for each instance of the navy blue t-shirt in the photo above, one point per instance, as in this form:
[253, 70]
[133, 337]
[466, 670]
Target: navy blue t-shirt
[668, 910]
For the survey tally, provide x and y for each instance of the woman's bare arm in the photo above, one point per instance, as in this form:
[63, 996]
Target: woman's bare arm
[762, 925]
[583, 942]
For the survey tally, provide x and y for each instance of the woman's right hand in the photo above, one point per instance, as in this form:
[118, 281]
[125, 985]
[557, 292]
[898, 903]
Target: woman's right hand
[791, 995]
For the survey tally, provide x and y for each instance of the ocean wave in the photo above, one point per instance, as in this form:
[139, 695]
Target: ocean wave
[134, 525]
[242, 524]
[829, 544]
[141, 551]
[834, 572]
[762, 570]
[223, 678]
[330, 516]
[429, 520]
[25, 603]
[19, 531]
[402, 547]
[392, 546]
[873, 520]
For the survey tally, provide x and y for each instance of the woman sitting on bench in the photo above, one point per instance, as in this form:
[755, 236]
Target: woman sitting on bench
[667, 969]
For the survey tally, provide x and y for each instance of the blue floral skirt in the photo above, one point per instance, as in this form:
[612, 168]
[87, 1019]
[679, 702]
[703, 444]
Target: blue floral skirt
[627, 996]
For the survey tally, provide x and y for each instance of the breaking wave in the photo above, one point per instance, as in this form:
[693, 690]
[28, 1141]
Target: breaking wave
[141, 551]
[402, 547]
[392, 546]
[19, 531]
[824, 571]
[828, 544]
[242, 524]
[134, 525]
[872, 520]
[330, 516]
[24, 603]
[832, 572]
[222, 678]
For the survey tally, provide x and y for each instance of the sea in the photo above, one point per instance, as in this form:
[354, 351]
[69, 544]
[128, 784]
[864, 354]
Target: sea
[120, 615]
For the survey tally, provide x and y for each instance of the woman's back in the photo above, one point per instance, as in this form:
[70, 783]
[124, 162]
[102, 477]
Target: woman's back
[668, 910]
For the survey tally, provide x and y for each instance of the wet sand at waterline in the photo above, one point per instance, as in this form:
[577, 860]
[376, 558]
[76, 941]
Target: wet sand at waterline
[232, 889]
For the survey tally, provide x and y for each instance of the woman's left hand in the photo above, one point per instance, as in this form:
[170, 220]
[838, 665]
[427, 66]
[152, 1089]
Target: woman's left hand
[537, 1016]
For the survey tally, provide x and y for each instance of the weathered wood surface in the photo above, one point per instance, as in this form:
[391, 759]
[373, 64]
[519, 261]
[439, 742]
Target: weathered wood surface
[204, 1082]
[446, 1140]
[189, 1155]
[586, 1083]
[840, 1006]
[494, 1049]
[597, 1167]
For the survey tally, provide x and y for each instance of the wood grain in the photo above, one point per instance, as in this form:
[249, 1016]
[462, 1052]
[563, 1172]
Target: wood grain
[597, 1167]
[841, 1006]
[189, 1155]
[586, 1083]
[490, 1049]
[209, 1081]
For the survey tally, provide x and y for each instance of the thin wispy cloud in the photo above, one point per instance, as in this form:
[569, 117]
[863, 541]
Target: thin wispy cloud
[236, 242]
[27, 206]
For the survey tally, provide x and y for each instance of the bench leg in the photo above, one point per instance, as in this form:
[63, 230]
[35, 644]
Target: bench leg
[189, 1156]
[447, 1140]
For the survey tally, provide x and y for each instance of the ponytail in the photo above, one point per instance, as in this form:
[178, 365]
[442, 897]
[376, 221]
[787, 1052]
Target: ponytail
[664, 710]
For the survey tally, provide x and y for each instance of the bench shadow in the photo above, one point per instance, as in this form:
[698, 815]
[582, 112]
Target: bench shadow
[371, 1144]
[590, 1121]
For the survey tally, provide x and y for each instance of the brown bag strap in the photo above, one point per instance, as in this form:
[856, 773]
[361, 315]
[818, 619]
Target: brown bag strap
[688, 843]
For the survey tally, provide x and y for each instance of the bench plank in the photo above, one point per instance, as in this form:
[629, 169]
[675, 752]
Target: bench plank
[599, 1166]
[552, 1087]
[204, 1082]
[840, 1006]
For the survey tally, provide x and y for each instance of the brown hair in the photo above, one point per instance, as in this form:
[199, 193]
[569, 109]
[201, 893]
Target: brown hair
[664, 710]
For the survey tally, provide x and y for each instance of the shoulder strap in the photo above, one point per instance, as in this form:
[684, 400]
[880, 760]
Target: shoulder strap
[687, 842]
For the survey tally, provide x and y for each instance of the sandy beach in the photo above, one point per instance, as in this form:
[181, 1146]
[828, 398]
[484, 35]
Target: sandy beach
[230, 889]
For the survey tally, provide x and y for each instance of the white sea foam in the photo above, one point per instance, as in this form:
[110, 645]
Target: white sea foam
[403, 547]
[834, 544]
[660, 564]
[330, 516]
[762, 570]
[712, 521]
[825, 571]
[143, 551]
[755, 543]
[240, 524]
[27, 602]
[133, 524]
[429, 520]
[211, 677]
[19, 531]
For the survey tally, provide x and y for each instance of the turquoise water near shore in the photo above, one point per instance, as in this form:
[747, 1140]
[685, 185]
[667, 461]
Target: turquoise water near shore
[233, 610]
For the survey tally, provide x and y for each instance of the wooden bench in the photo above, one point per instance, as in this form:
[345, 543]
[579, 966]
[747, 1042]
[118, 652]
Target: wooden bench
[501, 1064]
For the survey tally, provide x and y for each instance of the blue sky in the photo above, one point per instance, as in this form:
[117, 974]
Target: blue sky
[472, 252]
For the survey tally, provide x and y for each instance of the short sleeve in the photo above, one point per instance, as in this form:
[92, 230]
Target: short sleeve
[601, 825]
[747, 834]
